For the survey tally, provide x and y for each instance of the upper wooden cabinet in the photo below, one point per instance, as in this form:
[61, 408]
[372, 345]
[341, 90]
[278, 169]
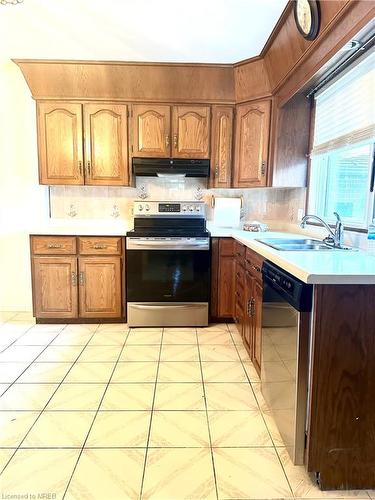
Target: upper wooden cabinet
[252, 143]
[60, 143]
[151, 130]
[106, 144]
[191, 125]
[221, 141]
[70, 153]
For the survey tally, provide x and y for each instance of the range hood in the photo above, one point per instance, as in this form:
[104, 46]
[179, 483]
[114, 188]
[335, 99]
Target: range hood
[151, 167]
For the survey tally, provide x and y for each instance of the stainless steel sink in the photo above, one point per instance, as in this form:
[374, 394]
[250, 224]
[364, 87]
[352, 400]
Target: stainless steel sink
[296, 244]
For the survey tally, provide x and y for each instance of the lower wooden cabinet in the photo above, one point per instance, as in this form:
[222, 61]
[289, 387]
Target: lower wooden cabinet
[223, 278]
[99, 287]
[77, 286]
[55, 287]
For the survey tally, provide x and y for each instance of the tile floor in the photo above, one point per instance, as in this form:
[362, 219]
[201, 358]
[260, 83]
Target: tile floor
[110, 413]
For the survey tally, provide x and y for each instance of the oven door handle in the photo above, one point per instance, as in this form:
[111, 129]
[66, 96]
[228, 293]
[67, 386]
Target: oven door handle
[183, 306]
[168, 245]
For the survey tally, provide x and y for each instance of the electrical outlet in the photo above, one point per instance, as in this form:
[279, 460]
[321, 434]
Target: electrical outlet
[300, 214]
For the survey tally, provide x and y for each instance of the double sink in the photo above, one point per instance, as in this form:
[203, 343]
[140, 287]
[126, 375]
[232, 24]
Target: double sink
[298, 244]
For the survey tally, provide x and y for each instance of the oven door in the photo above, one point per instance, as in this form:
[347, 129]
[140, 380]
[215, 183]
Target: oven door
[155, 274]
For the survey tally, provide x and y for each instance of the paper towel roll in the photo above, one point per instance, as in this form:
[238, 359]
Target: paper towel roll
[227, 212]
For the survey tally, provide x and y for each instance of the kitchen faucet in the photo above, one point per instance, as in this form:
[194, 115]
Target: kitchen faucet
[335, 238]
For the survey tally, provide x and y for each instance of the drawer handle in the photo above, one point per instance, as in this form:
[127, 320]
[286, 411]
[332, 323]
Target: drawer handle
[74, 279]
[99, 246]
[54, 245]
[256, 268]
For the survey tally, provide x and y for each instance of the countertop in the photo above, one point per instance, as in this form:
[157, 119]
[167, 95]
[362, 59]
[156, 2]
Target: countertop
[326, 267]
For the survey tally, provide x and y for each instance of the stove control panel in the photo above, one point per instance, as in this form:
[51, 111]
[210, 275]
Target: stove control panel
[165, 208]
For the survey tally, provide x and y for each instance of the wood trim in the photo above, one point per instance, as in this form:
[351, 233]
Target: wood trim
[280, 23]
[123, 63]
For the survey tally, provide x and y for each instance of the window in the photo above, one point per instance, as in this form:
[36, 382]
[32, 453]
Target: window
[342, 157]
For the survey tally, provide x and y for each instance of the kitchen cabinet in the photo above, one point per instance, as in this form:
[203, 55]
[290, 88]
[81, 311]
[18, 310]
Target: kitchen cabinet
[82, 143]
[151, 129]
[55, 287]
[85, 282]
[221, 141]
[99, 287]
[252, 144]
[164, 131]
[190, 127]
[222, 278]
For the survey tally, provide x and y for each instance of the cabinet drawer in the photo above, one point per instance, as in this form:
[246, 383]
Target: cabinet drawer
[254, 263]
[53, 245]
[226, 247]
[95, 245]
[239, 250]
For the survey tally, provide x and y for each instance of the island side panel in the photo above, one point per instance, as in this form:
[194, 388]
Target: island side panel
[341, 435]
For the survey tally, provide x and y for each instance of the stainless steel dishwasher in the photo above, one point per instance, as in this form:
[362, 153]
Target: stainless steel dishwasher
[286, 312]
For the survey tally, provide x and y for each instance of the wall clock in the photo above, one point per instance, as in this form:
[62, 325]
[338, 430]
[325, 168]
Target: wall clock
[307, 17]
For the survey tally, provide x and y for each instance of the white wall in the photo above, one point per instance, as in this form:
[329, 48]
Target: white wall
[22, 201]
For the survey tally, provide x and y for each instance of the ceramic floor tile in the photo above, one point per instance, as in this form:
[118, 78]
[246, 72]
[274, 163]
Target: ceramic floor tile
[140, 353]
[107, 474]
[14, 426]
[27, 396]
[251, 371]
[3, 388]
[259, 396]
[272, 428]
[99, 353]
[174, 371]
[23, 316]
[236, 337]
[264, 475]
[7, 315]
[178, 330]
[238, 428]
[179, 397]
[144, 338]
[33, 339]
[242, 353]
[9, 372]
[59, 430]
[303, 486]
[214, 327]
[133, 372]
[15, 329]
[179, 429]
[232, 327]
[179, 353]
[34, 472]
[179, 337]
[60, 353]
[77, 397]
[75, 339]
[214, 338]
[108, 338]
[120, 429]
[218, 353]
[228, 396]
[128, 397]
[169, 474]
[20, 354]
[81, 328]
[113, 327]
[44, 373]
[5, 455]
[99, 373]
[226, 371]
[47, 328]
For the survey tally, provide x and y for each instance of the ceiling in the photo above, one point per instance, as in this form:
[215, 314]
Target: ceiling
[216, 31]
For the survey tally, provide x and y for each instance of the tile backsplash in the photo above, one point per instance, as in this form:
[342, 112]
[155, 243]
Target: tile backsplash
[100, 202]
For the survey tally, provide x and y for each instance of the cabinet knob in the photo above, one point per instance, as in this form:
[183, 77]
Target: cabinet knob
[216, 170]
[89, 167]
[175, 141]
[80, 168]
[81, 278]
[167, 141]
[74, 279]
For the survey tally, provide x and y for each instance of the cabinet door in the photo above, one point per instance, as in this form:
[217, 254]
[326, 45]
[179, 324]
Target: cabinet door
[100, 287]
[106, 144]
[221, 140]
[60, 143]
[248, 323]
[151, 126]
[257, 324]
[252, 141]
[225, 282]
[55, 287]
[190, 126]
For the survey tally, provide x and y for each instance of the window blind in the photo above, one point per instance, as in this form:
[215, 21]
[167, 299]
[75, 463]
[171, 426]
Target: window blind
[345, 110]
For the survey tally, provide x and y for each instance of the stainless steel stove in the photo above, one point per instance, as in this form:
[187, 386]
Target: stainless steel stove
[168, 264]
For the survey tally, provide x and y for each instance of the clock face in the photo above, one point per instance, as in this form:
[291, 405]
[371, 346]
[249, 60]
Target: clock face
[307, 17]
[304, 15]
